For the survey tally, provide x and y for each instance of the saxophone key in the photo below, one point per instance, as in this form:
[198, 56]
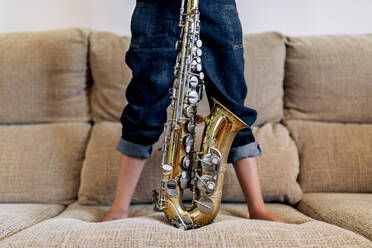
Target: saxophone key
[196, 66]
[172, 188]
[188, 149]
[211, 186]
[167, 167]
[191, 127]
[184, 224]
[206, 184]
[194, 81]
[186, 162]
[201, 75]
[199, 43]
[193, 97]
[190, 111]
[184, 180]
[210, 162]
[197, 51]
[189, 143]
[205, 205]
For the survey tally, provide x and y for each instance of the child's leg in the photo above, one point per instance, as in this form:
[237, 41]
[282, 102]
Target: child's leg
[130, 169]
[247, 173]
[151, 57]
[223, 63]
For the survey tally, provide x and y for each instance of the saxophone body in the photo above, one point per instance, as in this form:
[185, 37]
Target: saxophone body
[201, 172]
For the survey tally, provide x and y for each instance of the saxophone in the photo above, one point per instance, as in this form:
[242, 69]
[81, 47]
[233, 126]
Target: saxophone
[183, 168]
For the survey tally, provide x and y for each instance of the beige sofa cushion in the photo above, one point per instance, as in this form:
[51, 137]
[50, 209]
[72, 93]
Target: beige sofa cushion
[334, 157]
[328, 78]
[110, 73]
[351, 211]
[264, 55]
[278, 167]
[15, 217]
[41, 163]
[43, 76]
[77, 227]
[94, 213]
[264, 72]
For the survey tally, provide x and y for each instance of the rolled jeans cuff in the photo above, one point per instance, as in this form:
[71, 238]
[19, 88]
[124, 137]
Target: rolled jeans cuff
[134, 150]
[250, 150]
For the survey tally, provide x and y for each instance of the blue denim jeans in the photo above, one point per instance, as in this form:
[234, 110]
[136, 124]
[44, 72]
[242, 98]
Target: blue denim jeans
[151, 57]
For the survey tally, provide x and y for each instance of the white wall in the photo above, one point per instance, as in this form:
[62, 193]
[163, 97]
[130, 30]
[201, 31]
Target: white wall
[291, 17]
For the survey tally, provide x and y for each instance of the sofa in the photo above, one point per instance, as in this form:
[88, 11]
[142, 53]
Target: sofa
[62, 92]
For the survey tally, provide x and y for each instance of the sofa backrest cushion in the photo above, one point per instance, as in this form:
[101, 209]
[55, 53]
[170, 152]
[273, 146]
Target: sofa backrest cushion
[278, 167]
[334, 157]
[110, 74]
[329, 78]
[264, 55]
[43, 76]
[41, 163]
[264, 71]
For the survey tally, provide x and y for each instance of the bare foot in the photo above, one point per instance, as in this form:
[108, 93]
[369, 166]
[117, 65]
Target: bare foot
[114, 215]
[266, 215]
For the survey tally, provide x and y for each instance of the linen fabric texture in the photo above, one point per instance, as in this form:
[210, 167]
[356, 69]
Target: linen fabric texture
[328, 78]
[334, 157]
[352, 211]
[18, 216]
[278, 168]
[230, 228]
[43, 76]
[46, 168]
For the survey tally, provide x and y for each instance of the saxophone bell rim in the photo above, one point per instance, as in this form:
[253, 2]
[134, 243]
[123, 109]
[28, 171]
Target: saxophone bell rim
[217, 103]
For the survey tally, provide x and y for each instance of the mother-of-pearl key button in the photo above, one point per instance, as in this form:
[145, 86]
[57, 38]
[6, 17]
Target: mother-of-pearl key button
[167, 167]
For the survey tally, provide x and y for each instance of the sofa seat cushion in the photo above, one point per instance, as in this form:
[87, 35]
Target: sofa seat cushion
[95, 212]
[334, 157]
[41, 163]
[77, 226]
[278, 167]
[352, 211]
[43, 76]
[17, 216]
[264, 55]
